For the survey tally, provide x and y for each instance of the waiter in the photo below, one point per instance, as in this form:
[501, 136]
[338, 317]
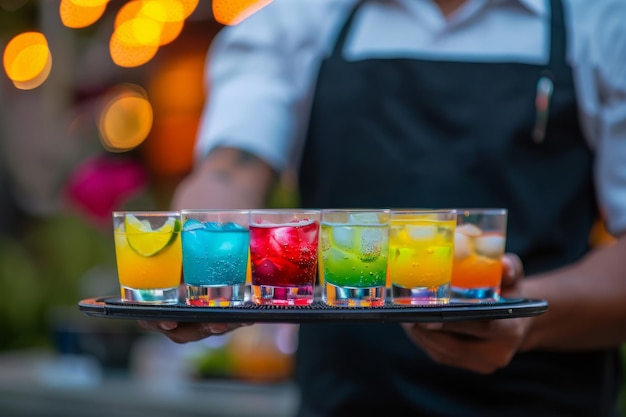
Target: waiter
[425, 103]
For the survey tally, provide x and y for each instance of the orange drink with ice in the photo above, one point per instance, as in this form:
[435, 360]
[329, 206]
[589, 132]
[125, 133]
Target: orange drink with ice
[478, 249]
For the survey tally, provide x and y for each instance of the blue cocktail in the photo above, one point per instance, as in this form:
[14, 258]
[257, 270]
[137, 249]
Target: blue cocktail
[215, 256]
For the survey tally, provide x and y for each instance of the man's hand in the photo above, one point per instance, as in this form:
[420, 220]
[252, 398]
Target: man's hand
[482, 346]
[189, 332]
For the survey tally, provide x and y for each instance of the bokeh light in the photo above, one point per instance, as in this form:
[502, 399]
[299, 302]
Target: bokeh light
[89, 3]
[126, 118]
[135, 42]
[27, 60]
[169, 15]
[233, 12]
[188, 7]
[78, 14]
[141, 27]
[38, 80]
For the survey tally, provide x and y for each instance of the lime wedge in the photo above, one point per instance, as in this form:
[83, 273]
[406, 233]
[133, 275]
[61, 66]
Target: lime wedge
[147, 242]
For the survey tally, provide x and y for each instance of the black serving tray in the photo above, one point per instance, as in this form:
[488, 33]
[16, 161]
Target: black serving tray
[113, 307]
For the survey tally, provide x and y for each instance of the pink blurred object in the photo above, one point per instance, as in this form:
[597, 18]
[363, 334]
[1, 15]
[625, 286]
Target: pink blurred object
[103, 184]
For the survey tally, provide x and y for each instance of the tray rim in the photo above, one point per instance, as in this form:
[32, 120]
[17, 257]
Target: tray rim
[113, 308]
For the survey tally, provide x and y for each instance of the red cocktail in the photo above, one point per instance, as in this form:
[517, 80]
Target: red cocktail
[283, 256]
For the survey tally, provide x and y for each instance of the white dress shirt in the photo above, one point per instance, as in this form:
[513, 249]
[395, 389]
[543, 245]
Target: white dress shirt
[261, 73]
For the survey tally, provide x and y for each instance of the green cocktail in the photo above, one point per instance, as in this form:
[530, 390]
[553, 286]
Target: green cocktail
[354, 246]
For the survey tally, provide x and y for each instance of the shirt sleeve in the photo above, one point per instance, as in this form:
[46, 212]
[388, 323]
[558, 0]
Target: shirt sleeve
[602, 82]
[259, 78]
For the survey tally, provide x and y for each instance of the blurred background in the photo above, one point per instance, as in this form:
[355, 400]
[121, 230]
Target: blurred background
[99, 106]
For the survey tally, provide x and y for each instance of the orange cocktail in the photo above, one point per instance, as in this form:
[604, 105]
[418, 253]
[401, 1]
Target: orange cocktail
[478, 249]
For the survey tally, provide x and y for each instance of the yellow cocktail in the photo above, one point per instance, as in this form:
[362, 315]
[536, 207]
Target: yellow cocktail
[149, 255]
[421, 249]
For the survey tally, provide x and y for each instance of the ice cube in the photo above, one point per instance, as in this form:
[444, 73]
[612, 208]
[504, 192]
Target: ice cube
[363, 218]
[463, 246]
[285, 236]
[371, 244]
[192, 224]
[491, 245]
[287, 242]
[278, 241]
[309, 233]
[212, 226]
[343, 237]
[469, 229]
[266, 268]
[421, 232]
[277, 269]
[232, 226]
[335, 255]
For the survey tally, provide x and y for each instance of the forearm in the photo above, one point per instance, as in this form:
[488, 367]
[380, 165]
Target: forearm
[226, 178]
[587, 303]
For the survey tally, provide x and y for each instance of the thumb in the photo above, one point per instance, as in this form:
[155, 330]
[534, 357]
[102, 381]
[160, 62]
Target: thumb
[512, 270]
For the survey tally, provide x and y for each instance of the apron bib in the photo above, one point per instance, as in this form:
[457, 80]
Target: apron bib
[443, 134]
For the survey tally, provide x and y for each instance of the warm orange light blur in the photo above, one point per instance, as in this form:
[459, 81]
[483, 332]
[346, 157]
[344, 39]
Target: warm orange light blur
[257, 355]
[134, 42]
[188, 7]
[169, 14]
[232, 12]
[126, 119]
[89, 3]
[38, 80]
[177, 87]
[177, 99]
[26, 57]
[169, 151]
[127, 12]
[77, 14]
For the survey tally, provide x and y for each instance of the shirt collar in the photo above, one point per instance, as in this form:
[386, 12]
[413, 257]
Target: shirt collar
[539, 7]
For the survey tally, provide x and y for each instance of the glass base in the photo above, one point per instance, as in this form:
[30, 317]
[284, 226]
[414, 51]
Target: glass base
[282, 296]
[215, 296]
[150, 296]
[420, 295]
[488, 294]
[354, 297]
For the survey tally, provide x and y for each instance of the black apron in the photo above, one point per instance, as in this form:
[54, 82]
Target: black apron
[419, 133]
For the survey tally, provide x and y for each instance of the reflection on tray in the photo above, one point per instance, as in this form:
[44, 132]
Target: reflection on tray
[316, 305]
[114, 307]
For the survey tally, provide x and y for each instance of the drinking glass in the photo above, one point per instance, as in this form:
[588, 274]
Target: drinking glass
[480, 240]
[421, 246]
[215, 256]
[283, 256]
[148, 255]
[354, 248]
